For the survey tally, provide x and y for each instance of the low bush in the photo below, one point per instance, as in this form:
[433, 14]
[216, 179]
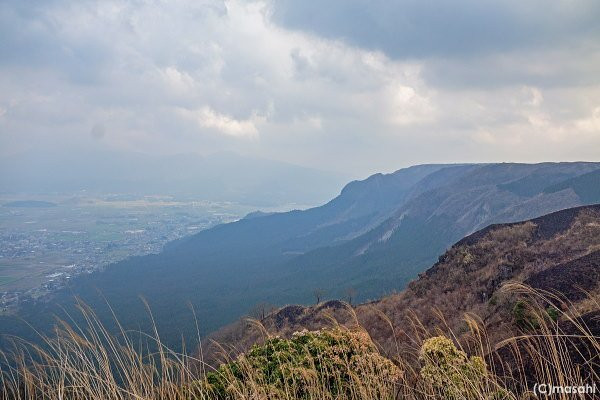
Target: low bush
[335, 363]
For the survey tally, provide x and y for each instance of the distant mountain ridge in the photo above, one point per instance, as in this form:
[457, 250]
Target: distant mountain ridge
[224, 176]
[372, 239]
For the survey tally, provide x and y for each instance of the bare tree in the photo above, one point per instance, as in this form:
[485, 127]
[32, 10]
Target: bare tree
[350, 294]
[261, 310]
[318, 293]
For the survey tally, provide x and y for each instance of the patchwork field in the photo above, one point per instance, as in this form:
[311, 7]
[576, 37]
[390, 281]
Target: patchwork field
[45, 241]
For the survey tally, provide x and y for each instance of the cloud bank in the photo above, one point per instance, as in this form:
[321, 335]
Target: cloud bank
[343, 85]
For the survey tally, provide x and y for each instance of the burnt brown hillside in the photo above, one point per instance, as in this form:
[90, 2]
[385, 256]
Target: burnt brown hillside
[559, 253]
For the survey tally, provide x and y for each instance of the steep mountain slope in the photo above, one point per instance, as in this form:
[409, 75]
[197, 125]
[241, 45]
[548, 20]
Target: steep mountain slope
[373, 238]
[586, 186]
[558, 253]
[470, 198]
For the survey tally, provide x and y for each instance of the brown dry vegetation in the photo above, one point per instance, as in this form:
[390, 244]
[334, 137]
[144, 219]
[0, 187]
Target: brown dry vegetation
[466, 279]
[341, 362]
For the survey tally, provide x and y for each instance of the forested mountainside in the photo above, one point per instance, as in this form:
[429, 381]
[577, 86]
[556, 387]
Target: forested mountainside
[556, 254]
[372, 239]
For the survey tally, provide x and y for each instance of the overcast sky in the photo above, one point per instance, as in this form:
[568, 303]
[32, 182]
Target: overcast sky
[345, 85]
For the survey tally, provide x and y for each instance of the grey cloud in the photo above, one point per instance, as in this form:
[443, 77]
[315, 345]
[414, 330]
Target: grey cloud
[465, 43]
[575, 65]
[417, 28]
[98, 131]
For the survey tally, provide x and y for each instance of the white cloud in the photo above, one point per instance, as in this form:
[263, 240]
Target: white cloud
[177, 81]
[208, 118]
[590, 124]
[534, 94]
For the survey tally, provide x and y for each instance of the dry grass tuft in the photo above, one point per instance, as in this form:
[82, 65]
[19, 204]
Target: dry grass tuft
[89, 362]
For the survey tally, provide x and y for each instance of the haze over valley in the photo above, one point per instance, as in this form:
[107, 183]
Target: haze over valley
[94, 209]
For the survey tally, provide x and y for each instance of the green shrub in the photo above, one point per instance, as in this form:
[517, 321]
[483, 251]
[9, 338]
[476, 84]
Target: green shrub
[552, 313]
[449, 372]
[334, 361]
[522, 316]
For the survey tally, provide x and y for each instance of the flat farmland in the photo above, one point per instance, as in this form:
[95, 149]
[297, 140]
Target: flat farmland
[44, 243]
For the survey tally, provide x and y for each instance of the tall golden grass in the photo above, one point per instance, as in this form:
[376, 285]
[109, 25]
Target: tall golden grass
[86, 361]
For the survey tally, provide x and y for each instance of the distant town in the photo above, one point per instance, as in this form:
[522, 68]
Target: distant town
[45, 244]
